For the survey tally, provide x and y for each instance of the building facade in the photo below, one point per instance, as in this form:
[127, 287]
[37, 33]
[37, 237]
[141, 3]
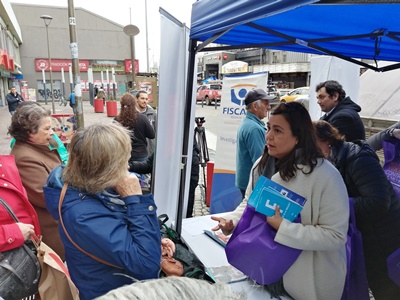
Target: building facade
[101, 45]
[285, 69]
[10, 41]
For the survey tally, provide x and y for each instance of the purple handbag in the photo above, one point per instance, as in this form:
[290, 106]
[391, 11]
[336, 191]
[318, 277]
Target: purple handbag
[356, 284]
[391, 167]
[252, 249]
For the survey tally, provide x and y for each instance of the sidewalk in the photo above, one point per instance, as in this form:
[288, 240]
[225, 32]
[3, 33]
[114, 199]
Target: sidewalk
[90, 117]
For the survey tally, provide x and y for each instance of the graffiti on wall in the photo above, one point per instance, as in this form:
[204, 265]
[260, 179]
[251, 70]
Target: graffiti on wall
[44, 92]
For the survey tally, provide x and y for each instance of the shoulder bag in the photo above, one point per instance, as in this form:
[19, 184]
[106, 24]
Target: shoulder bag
[356, 284]
[262, 259]
[60, 202]
[19, 268]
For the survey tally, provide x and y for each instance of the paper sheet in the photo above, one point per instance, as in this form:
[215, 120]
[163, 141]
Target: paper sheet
[197, 227]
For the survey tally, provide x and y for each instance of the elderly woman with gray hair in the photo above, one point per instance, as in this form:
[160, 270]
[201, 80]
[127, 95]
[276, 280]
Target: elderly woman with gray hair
[31, 128]
[109, 229]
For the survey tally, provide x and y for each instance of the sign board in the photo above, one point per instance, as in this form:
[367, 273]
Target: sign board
[235, 66]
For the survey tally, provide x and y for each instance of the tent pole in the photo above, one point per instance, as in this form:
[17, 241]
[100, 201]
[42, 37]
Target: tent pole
[187, 125]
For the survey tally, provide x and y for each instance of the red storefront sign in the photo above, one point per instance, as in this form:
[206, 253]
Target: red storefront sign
[128, 66]
[6, 61]
[11, 63]
[57, 64]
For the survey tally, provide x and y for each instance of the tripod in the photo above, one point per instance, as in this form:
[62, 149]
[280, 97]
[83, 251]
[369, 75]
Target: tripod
[200, 136]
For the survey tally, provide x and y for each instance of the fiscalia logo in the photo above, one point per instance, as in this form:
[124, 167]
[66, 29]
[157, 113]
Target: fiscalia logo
[239, 91]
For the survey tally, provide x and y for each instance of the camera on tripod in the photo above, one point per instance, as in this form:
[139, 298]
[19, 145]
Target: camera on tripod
[199, 121]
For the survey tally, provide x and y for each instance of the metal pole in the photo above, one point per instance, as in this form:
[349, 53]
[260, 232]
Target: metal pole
[187, 125]
[71, 80]
[131, 31]
[114, 84]
[44, 86]
[108, 85]
[51, 73]
[133, 62]
[91, 91]
[45, 92]
[78, 107]
[63, 82]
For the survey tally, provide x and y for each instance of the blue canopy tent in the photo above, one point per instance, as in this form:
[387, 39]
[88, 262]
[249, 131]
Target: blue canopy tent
[348, 29]
[345, 29]
[207, 80]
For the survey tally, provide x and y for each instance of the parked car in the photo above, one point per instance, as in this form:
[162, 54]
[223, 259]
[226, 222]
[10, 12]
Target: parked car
[283, 92]
[291, 96]
[209, 93]
[272, 90]
[303, 99]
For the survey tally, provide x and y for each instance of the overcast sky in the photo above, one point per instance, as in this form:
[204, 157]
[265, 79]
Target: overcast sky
[122, 11]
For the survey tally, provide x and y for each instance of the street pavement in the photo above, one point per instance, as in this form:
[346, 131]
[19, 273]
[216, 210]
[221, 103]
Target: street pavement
[90, 117]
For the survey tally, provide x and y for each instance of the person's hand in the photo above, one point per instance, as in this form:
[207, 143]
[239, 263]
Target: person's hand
[225, 225]
[396, 133]
[129, 186]
[276, 220]
[167, 247]
[26, 229]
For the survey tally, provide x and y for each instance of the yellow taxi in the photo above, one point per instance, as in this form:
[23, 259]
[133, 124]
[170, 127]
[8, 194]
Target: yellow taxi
[291, 96]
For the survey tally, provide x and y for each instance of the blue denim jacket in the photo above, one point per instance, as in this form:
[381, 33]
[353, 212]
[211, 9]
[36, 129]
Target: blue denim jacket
[121, 231]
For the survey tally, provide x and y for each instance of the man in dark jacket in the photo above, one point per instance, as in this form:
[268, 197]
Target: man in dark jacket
[142, 99]
[340, 111]
[13, 99]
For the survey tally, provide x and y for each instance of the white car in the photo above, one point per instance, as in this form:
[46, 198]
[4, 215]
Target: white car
[303, 99]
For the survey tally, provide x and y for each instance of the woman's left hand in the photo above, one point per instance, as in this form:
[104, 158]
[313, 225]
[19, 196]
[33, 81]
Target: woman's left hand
[167, 247]
[276, 220]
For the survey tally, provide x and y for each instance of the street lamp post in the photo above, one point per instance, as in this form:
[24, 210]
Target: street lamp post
[132, 30]
[47, 20]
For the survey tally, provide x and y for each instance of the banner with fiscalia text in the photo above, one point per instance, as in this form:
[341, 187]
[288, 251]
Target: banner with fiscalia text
[224, 195]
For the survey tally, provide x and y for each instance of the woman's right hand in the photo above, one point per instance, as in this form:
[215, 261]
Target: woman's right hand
[225, 225]
[129, 186]
[26, 229]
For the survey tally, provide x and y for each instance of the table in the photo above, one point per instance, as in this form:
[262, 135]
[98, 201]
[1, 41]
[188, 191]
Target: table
[212, 254]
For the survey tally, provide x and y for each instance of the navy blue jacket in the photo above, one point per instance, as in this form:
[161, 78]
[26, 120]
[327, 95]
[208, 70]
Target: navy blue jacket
[123, 232]
[346, 119]
[13, 101]
[377, 210]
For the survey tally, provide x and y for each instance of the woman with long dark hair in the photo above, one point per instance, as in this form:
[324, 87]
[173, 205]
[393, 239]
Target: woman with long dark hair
[292, 159]
[138, 125]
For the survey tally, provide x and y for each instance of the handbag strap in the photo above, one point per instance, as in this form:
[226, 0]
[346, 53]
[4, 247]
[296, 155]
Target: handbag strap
[63, 191]
[10, 211]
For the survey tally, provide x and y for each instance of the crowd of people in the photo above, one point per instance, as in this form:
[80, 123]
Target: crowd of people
[90, 208]
[294, 152]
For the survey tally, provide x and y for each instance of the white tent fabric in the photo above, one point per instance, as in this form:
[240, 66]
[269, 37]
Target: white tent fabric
[170, 125]
[380, 94]
[332, 68]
